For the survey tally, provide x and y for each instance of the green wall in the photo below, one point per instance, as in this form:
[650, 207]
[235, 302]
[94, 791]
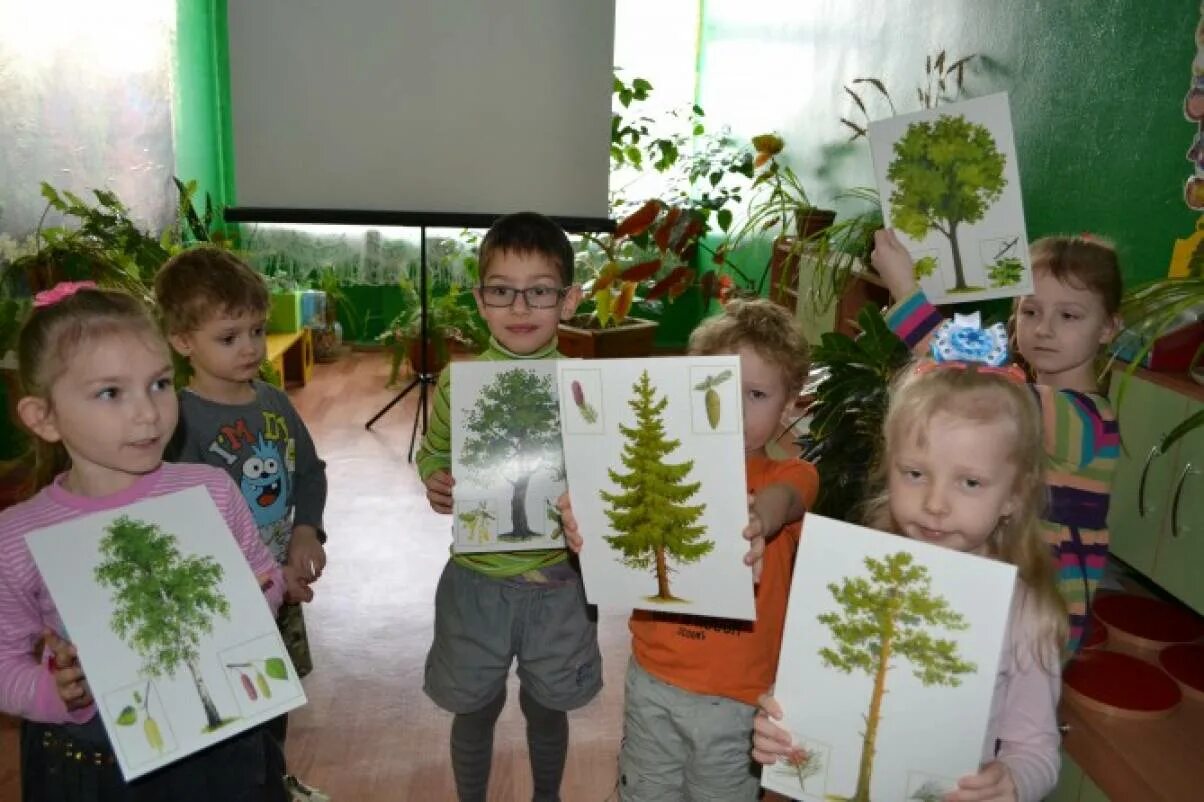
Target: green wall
[1096, 94]
[203, 138]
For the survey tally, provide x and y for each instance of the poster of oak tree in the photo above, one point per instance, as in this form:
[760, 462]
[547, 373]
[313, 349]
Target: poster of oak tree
[654, 453]
[950, 187]
[179, 646]
[888, 665]
[506, 456]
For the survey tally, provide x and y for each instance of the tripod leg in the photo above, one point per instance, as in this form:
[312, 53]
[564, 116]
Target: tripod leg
[393, 403]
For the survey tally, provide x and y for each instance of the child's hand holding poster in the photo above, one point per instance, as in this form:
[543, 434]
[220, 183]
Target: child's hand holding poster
[175, 638]
[950, 188]
[654, 451]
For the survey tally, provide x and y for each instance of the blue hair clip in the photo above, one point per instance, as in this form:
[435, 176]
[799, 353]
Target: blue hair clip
[964, 339]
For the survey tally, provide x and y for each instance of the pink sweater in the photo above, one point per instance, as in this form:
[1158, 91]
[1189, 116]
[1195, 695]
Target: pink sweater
[1024, 708]
[27, 688]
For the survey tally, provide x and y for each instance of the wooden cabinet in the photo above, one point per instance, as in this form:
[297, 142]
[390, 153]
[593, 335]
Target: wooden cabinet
[1156, 516]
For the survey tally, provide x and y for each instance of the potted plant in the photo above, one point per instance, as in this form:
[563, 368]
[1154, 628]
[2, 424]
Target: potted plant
[849, 408]
[448, 319]
[644, 262]
[328, 338]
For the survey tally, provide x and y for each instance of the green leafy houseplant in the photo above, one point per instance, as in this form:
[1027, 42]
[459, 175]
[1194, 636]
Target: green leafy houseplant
[849, 410]
[448, 319]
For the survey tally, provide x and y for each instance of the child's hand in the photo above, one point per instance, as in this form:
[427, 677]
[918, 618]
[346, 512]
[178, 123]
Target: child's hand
[439, 491]
[893, 263]
[992, 784]
[568, 522]
[305, 553]
[68, 675]
[754, 533]
[296, 586]
[770, 741]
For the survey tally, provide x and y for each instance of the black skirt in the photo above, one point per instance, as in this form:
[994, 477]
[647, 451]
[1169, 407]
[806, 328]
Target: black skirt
[75, 763]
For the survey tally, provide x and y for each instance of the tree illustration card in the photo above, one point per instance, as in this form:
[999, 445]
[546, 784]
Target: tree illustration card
[950, 187]
[654, 451]
[506, 456]
[179, 646]
[888, 665]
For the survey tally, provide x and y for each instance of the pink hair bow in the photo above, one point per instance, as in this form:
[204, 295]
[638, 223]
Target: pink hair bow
[64, 289]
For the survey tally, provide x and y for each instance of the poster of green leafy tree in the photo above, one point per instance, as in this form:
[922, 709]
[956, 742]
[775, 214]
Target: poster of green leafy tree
[506, 455]
[654, 457]
[950, 188]
[161, 603]
[889, 660]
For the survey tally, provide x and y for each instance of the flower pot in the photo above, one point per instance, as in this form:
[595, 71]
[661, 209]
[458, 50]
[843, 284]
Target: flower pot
[633, 337]
[436, 355]
[809, 222]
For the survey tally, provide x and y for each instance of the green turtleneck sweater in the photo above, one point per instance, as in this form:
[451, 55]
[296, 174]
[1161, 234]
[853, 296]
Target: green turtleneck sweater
[435, 454]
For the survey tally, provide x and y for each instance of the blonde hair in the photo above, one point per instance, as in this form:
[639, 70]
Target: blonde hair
[984, 397]
[47, 339]
[764, 326]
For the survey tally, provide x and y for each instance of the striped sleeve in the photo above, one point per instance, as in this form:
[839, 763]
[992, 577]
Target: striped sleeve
[913, 319]
[1076, 432]
[435, 452]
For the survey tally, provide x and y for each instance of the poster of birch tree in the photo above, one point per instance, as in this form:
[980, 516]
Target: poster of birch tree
[888, 664]
[506, 456]
[950, 187]
[160, 601]
[654, 454]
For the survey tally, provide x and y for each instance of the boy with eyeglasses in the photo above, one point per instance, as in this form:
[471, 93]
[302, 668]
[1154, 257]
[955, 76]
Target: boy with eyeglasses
[493, 607]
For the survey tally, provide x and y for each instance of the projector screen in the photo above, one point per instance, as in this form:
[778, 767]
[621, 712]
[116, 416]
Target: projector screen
[465, 108]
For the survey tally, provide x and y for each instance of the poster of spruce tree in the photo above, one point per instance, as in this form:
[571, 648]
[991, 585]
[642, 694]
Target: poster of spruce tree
[654, 454]
[950, 187]
[506, 456]
[180, 649]
[888, 665]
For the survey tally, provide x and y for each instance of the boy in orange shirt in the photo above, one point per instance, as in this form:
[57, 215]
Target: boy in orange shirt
[693, 682]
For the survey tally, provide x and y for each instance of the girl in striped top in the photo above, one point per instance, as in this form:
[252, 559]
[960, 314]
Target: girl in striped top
[1059, 329]
[97, 388]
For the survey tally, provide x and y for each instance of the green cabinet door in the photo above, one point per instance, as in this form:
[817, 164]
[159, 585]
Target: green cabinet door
[1142, 486]
[1179, 567]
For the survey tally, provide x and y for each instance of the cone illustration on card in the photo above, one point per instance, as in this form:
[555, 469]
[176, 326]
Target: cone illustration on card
[654, 524]
[164, 602]
[711, 397]
[150, 728]
[882, 617]
[945, 173]
[514, 428]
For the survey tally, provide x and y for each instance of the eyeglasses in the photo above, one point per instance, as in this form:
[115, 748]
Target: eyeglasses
[499, 295]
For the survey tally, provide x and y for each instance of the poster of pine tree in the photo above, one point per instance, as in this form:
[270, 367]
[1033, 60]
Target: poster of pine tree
[506, 456]
[950, 187]
[888, 665]
[179, 646]
[654, 453]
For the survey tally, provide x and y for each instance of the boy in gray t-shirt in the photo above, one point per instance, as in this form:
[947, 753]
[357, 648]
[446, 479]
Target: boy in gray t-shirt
[214, 309]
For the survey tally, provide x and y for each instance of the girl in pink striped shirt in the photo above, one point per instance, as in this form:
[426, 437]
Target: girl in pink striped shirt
[97, 389]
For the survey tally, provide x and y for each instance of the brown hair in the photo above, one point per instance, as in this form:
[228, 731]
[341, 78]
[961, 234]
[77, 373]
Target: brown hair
[983, 397]
[205, 281]
[764, 326]
[1082, 262]
[46, 341]
[527, 233]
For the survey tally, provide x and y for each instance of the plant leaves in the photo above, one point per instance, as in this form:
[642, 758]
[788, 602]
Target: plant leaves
[641, 271]
[275, 668]
[128, 716]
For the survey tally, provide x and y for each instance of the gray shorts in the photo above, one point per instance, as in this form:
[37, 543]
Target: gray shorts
[679, 745]
[482, 624]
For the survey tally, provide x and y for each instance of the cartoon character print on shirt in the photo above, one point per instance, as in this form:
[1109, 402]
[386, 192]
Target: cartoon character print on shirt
[263, 465]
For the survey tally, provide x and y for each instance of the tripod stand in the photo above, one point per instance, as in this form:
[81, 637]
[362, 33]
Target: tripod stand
[423, 377]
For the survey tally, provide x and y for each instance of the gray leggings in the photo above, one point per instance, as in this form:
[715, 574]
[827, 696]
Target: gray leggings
[472, 747]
